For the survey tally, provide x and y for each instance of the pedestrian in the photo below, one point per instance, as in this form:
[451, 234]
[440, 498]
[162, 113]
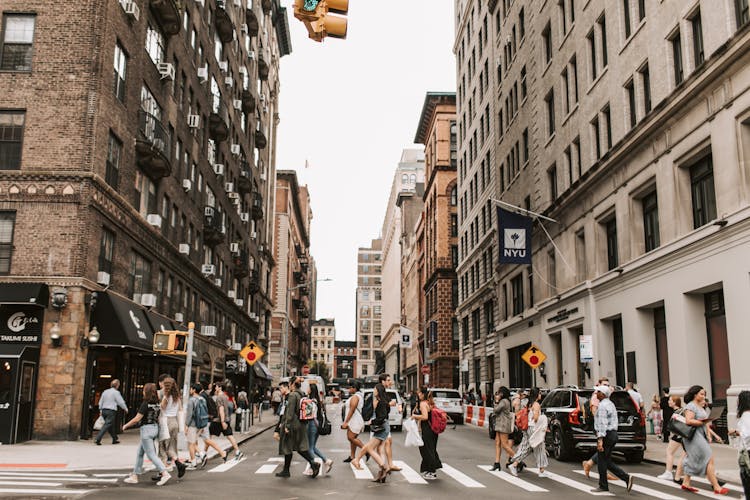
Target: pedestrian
[655, 415]
[313, 427]
[196, 426]
[380, 429]
[503, 426]
[480, 397]
[666, 413]
[171, 407]
[533, 438]
[276, 400]
[605, 426]
[472, 397]
[148, 417]
[242, 404]
[213, 415]
[675, 444]
[743, 433]
[594, 405]
[221, 423]
[108, 403]
[630, 387]
[292, 432]
[699, 459]
[353, 421]
[414, 400]
[422, 413]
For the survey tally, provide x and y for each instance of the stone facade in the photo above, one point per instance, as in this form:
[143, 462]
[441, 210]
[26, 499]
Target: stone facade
[323, 337]
[368, 326]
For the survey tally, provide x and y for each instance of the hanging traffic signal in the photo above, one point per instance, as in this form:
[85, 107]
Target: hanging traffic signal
[172, 342]
[318, 21]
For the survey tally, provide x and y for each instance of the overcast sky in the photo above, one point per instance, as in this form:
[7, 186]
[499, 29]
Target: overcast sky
[349, 107]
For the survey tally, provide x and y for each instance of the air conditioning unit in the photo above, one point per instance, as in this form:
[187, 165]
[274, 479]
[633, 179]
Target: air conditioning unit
[229, 187]
[253, 235]
[102, 278]
[235, 197]
[251, 55]
[208, 331]
[265, 109]
[237, 103]
[253, 316]
[262, 248]
[223, 229]
[217, 282]
[219, 168]
[178, 317]
[223, 66]
[239, 302]
[154, 220]
[237, 346]
[243, 71]
[262, 98]
[245, 217]
[208, 269]
[243, 28]
[203, 73]
[208, 211]
[235, 149]
[194, 121]
[187, 185]
[148, 300]
[202, 3]
[232, 294]
[229, 82]
[132, 10]
[184, 249]
[263, 176]
[234, 247]
[166, 70]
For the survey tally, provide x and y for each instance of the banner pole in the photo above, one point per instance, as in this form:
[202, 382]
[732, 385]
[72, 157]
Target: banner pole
[528, 212]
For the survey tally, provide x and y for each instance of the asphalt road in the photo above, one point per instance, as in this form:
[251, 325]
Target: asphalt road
[464, 452]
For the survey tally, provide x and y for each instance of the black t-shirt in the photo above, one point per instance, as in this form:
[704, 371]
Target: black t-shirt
[150, 412]
[381, 411]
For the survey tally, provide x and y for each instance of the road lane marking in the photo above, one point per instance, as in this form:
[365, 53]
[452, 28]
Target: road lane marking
[275, 459]
[513, 480]
[5, 477]
[461, 477]
[362, 474]
[409, 474]
[671, 484]
[227, 465]
[642, 489]
[43, 492]
[27, 483]
[111, 475]
[42, 473]
[339, 450]
[585, 488]
[266, 468]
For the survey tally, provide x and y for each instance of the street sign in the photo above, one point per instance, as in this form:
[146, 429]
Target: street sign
[406, 337]
[534, 356]
[586, 346]
[425, 369]
[252, 352]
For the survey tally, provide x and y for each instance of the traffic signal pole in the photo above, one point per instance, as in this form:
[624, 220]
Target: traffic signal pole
[188, 365]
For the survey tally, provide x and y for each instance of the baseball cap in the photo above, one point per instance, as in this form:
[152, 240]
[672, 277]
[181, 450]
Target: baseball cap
[604, 389]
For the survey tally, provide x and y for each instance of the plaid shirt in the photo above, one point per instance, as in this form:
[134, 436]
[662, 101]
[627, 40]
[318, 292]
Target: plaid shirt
[606, 418]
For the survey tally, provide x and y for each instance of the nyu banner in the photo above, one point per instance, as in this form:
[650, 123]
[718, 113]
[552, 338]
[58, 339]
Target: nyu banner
[515, 237]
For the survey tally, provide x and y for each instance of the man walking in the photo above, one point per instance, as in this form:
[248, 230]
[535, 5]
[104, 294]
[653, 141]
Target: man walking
[666, 413]
[108, 403]
[220, 424]
[605, 426]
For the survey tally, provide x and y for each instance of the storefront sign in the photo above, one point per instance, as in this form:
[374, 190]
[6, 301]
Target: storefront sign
[586, 346]
[21, 325]
[562, 315]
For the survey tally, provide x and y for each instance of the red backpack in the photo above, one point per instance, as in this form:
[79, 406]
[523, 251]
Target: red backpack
[522, 418]
[438, 420]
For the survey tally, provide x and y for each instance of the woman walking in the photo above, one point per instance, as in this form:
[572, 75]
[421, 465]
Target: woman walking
[171, 406]
[655, 415]
[674, 448]
[148, 415]
[380, 431]
[292, 431]
[533, 437]
[313, 428]
[503, 426]
[430, 458]
[699, 460]
[743, 432]
[353, 422]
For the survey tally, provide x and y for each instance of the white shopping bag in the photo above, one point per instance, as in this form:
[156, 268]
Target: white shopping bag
[413, 439]
[99, 423]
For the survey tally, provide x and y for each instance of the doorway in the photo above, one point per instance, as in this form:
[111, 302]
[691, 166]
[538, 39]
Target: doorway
[718, 354]
[519, 372]
[26, 390]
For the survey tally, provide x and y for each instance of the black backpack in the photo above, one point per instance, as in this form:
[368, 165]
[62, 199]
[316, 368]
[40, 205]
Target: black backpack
[213, 410]
[367, 408]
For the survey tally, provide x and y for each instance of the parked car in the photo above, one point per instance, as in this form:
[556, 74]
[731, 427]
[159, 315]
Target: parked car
[449, 400]
[395, 414]
[571, 424]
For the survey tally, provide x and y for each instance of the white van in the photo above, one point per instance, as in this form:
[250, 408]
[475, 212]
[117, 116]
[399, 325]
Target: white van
[316, 380]
[395, 413]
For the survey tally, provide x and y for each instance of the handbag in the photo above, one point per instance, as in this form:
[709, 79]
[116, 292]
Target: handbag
[491, 428]
[99, 423]
[377, 425]
[413, 439]
[678, 426]
[325, 426]
[356, 423]
[163, 427]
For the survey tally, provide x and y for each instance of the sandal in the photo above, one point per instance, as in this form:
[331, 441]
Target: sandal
[689, 488]
[722, 491]
[356, 465]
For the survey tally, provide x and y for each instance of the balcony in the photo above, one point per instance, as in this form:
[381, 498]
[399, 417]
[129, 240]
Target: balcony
[299, 277]
[218, 123]
[257, 207]
[260, 140]
[152, 146]
[167, 13]
[224, 24]
[213, 232]
[251, 20]
[254, 286]
[241, 264]
[263, 68]
[245, 180]
[248, 101]
[303, 313]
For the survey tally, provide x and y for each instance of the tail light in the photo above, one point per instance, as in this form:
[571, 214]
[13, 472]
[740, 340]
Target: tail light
[574, 416]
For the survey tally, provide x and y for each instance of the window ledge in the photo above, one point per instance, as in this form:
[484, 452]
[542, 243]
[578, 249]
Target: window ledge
[570, 113]
[596, 81]
[550, 139]
[632, 35]
[547, 66]
[567, 35]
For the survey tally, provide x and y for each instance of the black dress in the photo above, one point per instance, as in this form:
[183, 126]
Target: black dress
[430, 458]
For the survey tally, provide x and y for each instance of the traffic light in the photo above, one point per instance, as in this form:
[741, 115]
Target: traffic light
[318, 21]
[172, 342]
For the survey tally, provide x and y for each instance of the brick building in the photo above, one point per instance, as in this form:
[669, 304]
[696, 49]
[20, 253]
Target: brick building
[344, 358]
[438, 132]
[136, 171]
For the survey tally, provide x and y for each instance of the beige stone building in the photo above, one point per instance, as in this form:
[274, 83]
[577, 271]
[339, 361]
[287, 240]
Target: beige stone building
[323, 335]
[627, 123]
[368, 325]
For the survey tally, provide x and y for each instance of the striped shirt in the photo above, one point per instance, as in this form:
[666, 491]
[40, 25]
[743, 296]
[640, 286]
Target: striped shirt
[606, 418]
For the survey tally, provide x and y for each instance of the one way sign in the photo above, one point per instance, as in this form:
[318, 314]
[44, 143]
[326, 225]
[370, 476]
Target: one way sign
[406, 337]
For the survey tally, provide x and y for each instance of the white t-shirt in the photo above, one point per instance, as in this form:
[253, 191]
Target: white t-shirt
[173, 407]
[636, 397]
[743, 427]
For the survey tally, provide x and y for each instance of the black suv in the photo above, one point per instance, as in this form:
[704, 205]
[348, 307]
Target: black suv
[571, 424]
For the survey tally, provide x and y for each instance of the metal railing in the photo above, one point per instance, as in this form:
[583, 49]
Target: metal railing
[154, 132]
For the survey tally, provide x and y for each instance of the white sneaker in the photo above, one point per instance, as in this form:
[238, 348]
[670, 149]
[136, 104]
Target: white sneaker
[329, 465]
[430, 476]
[131, 479]
[308, 471]
[513, 470]
[164, 478]
[665, 475]
[170, 468]
[543, 474]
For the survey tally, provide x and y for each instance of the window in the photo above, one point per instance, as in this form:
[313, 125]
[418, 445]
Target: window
[566, 92]
[608, 125]
[454, 225]
[121, 63]
[475, 324]
[465, 329]
[454, 334]
[522, 23]
[489, 316]
[646, 82]
[552, 272]
[742, 12]
[581, 262]
[145, 194]
[574, 69]
[603, 31]
[552, 179]
[642, 14]
[697, 25]
[702, 189]
[677, 57]
[523, 83]
[11, 135]
[563, 16]
[547, 37]
[525, 143]
[597, 137]
[7, 225]
[626, 17]
[630, 89]
[650, 221]
[592, 53]
[610, 227]
[155, 44]
[140, 276]
[17, 42]
[516, 285]
[114, 151]
[549, 101]
[106, 251]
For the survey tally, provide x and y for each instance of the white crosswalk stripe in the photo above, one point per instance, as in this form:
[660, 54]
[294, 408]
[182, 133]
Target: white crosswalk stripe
[267, 469]
[42, 483]
[36, 491]
[670, 484]
[585, 488]
[636, 487]
[409, 474]
[728, 486]
[227, 465]
[461, 477]
[364, 473]
[515, 481]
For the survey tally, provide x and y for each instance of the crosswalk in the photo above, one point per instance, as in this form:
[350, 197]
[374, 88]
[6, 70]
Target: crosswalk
[52, 484]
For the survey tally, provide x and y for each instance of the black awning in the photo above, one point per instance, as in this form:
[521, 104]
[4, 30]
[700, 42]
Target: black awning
[262, 371]
[12, 350]
[122, 322]
[24, 293]
[160, 323]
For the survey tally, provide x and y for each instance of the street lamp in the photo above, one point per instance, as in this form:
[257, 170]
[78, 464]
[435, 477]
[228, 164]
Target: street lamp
[284, 348]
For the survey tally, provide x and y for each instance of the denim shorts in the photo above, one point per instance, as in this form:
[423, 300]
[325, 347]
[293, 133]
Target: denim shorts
[383, 434]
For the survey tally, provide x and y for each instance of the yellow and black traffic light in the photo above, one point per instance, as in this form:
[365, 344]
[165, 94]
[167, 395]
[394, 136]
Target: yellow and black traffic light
[316, 14]
[172, 342]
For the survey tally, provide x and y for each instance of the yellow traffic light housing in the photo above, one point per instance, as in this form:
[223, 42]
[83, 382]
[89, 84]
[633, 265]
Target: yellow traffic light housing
[315, 14]
[171, 342]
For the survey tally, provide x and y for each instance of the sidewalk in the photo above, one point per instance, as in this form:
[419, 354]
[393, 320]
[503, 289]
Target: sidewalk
[85, 455]
[725, 458]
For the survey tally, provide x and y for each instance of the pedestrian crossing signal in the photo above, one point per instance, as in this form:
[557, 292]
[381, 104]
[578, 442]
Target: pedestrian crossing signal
[252, 352]
[171, 342]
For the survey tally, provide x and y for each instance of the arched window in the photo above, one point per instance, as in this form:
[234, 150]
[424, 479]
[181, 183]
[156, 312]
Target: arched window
[413, 179]
[454, 196]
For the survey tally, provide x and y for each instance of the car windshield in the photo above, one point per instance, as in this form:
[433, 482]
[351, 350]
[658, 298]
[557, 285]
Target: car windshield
[446, 394]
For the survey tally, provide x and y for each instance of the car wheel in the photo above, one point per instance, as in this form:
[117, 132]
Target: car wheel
[559, 451]
[635, 457]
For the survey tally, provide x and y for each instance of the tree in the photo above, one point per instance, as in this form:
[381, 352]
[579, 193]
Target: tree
[320, 368]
